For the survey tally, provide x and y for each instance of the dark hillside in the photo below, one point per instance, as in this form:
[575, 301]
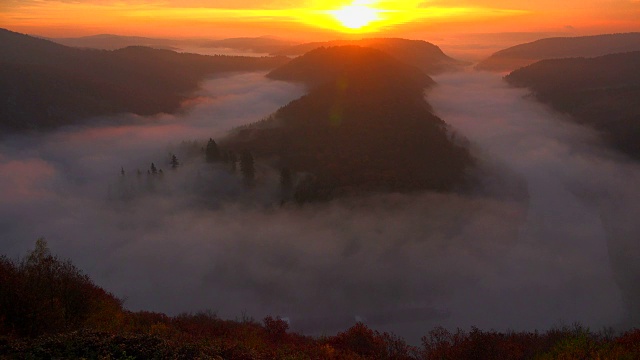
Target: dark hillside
[324, 65]
[44, 84]
[365, 126]
[601, 92]
[113, 42]
[421, 54]
[555, 48]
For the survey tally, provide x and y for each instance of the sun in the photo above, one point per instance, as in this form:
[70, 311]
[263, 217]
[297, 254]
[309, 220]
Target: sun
[356, 15]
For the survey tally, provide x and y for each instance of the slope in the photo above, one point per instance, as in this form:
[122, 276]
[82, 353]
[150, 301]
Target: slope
[601, 92]
[364, 126]
[113, 42]
[421, 54]
[561, 47]
[44, 84]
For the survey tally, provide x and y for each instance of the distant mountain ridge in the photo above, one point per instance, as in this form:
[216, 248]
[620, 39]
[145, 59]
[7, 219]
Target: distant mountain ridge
[113, 42]
[421, 54]
[364, 126]
[326, 64]
[262, 45]
[44, 84]
[561, 47]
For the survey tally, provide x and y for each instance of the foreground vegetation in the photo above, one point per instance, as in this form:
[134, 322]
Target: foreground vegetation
[50, 310]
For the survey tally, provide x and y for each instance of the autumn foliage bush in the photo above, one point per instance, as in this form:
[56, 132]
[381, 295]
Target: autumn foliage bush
[50, 310]
[42, 295]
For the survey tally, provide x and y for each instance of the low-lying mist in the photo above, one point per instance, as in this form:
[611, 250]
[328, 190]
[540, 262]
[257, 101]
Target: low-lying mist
[197, 239]
[580, 226]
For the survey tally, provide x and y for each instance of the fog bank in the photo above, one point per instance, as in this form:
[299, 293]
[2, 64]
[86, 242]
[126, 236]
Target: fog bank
[582, 196]
[197, 239]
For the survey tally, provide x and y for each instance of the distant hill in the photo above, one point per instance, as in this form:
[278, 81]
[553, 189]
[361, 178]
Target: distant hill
[324, 65]
[44, 84]
[364, 126]
[113, 42]
[263, 44]
[561, 47]
[602, 92]
[421, 54]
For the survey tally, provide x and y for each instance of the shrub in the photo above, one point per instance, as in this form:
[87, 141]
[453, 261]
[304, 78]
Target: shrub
[43, 295]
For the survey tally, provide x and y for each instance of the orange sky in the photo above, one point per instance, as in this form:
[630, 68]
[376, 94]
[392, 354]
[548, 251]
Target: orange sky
[311, 19]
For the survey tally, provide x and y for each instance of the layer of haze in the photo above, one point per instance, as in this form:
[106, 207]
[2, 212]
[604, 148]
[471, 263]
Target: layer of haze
[197, 239]
[305, 20]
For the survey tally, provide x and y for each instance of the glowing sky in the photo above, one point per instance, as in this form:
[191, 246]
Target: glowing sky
[309, 18]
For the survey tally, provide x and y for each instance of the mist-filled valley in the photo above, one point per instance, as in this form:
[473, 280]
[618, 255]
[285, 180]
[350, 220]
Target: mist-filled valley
[544, 240]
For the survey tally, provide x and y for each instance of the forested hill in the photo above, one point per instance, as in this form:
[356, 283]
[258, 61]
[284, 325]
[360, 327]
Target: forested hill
[113, 42]
[562, 47]
[364, 126]
[262, 44]
[602, 92]
[44, 84]
[421, 54]
[324, 65]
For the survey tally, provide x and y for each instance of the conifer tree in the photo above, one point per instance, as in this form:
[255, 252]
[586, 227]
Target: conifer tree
[174, 162]
[233, 159]
[286, 179]
[247, 167]
[212, 152]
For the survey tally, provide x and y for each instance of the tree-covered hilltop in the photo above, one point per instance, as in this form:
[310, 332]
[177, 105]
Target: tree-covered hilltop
[364, 126]
[601, 92]
[44, 84]
[560, 47]
[368, 66]
[424, 55]
[49, 309]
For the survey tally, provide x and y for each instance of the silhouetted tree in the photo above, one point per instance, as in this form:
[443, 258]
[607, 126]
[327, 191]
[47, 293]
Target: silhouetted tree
[286, 184]
[212, 152]
[122, 171]
[247, 167]
[286, 179]
[310, 190]
[233, 159]
[174, 162]
[154, 170]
